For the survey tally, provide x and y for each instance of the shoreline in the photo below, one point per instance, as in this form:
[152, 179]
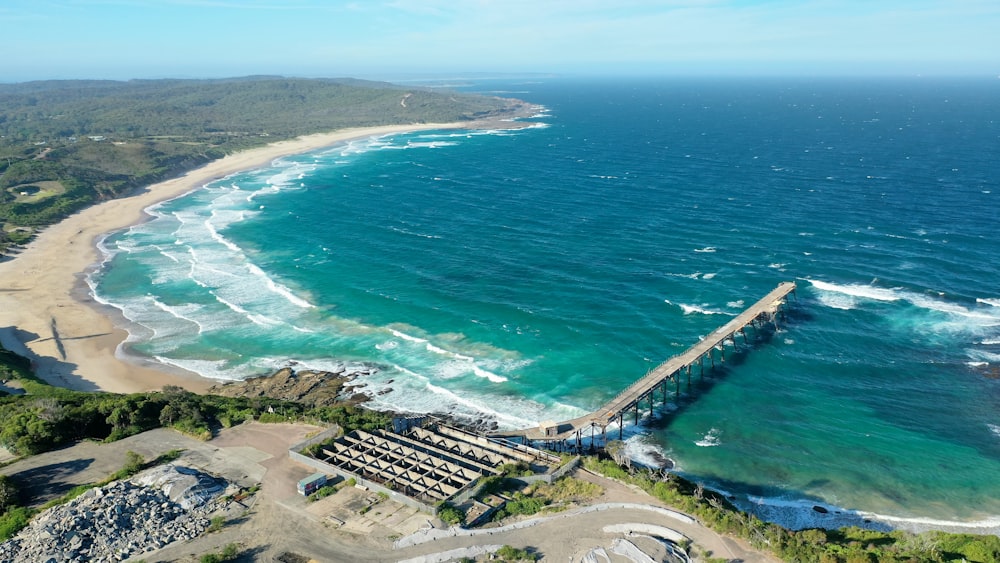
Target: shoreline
[48, 313]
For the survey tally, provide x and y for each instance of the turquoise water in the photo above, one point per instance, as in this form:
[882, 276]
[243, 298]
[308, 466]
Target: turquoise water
[527, 275]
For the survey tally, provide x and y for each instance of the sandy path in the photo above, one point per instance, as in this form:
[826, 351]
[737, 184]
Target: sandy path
[46, 311]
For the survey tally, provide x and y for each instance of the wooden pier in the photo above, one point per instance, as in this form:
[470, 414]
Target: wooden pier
[643, 390]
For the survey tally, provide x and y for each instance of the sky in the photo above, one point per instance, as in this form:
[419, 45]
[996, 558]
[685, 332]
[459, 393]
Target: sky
[396, 39]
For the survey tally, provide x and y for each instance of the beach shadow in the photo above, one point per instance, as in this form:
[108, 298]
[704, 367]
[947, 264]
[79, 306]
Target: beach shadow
[17, 338]
[65, 338]
[44, 483]
[54, 371]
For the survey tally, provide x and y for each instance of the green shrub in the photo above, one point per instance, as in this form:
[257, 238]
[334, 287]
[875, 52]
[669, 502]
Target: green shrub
[569, 488]
[9, 493]
[12, 521]
[521, 505]
[508, 553]
[973, 548]
[323, 492]
[519, 469]
[228, 553]
[216, 524]
[451, 515]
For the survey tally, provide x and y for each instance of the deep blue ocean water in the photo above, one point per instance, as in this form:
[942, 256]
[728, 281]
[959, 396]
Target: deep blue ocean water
[533, 274]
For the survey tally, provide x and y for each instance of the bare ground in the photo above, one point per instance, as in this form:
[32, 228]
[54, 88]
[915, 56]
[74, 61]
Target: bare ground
[277, 521]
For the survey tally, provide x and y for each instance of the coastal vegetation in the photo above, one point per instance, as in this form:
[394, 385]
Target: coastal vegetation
[45, 417]
[844, 545]
[65, 145]
[532, 499]
[230, 552]
[510, 553]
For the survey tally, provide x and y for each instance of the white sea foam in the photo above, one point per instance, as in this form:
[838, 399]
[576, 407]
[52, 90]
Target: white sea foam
[232, 306]
[735, 304]
[179, 312]
[219, 238]
[639, 448]
[941, 317]
[983, 356]
[412, 233]
[989, 301]
[463, 365]
[797, 514]
[263, 320]
[475, 406]
[410, 394]
[167, 254]
[488, 375]
[834, 301]
[406, 337]
[430, 144]
[700, 309]
[278, 288]
[981, 317]
[995, 429]
[706, 249]
[205, 368]
[858, 290]
[432, 348]
[710, 439]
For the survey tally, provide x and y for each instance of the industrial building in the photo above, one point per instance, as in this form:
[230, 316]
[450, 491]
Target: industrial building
[428, 464]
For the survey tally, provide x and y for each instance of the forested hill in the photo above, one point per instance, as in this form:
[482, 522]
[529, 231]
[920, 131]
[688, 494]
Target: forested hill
[68, 144]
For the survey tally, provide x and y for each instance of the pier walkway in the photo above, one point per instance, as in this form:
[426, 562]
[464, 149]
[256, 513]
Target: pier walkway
[763, 311]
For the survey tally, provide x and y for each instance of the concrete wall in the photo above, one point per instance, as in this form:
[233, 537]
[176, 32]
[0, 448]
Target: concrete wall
[327, 434]
[324, 467]
[461, 496]
[566, 468]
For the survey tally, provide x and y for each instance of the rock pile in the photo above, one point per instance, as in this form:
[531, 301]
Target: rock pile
[110, 523]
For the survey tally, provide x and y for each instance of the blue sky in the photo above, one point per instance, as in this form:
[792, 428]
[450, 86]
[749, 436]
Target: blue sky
[393, 39]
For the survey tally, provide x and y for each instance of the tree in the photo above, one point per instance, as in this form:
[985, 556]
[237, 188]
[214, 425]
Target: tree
[133, 463]
[9, 494]
[168, 415]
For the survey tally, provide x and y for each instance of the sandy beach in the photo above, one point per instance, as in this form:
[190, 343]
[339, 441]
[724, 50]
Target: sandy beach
[47, 313]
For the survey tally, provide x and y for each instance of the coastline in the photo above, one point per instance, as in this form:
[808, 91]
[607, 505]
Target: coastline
[48, 314]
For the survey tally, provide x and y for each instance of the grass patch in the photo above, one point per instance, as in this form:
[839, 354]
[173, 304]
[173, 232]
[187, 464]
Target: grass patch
[36, 191]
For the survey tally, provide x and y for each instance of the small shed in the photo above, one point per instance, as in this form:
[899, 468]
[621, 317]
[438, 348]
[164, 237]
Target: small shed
[549, 427]
[311, 484]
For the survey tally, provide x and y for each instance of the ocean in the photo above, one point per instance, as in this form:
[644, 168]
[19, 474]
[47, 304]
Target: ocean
[526, 275]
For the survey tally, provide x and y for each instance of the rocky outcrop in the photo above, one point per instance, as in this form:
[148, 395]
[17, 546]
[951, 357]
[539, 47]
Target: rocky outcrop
[313, 388]
[109, 523]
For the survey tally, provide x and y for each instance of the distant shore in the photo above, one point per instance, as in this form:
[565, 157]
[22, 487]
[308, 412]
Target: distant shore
[47, 312]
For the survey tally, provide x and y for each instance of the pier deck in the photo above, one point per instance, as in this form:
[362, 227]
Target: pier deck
[629, 399]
